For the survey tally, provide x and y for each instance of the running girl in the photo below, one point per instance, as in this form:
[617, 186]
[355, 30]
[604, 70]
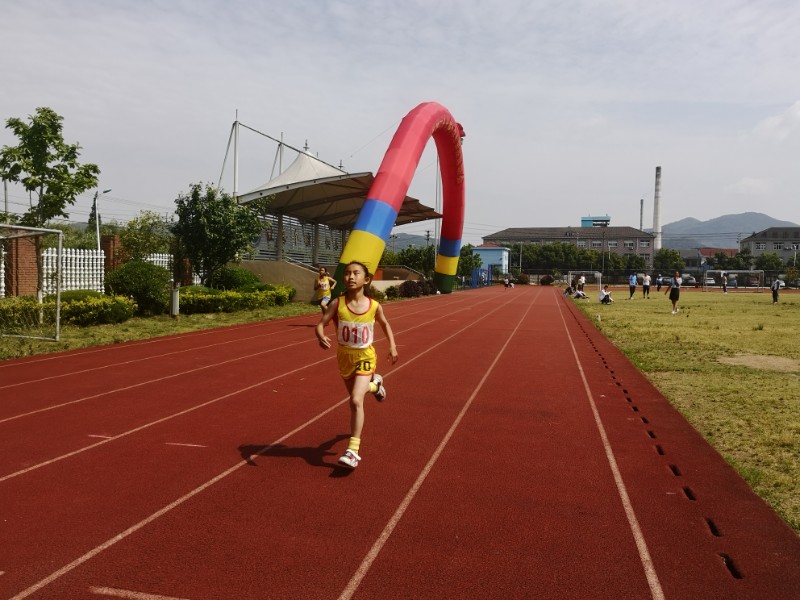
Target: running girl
[354, 315]
[324, 285]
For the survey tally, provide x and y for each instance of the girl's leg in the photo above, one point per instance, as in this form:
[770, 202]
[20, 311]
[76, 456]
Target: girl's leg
[358, 387]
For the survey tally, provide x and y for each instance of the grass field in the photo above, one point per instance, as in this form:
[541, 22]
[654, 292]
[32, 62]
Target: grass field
[730, 363]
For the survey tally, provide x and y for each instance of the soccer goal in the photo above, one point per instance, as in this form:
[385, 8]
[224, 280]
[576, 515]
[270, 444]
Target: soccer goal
[737, 280]
[26, 309]
[593, 279]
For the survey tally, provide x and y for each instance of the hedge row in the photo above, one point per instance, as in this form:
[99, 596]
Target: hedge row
[88, 311]
[197, 299]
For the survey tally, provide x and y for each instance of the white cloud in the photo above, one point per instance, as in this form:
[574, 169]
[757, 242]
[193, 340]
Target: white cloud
[750, 186]
[780, 127]
[568, 105]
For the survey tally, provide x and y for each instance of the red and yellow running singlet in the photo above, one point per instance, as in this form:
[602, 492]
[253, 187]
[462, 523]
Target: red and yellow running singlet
[355, 330]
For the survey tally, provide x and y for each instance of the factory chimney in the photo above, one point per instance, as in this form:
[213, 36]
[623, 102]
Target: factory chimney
[657, 212]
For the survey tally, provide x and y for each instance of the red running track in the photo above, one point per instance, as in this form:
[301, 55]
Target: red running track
[518, 455]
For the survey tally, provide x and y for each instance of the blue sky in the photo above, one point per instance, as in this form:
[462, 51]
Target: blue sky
[568, 106]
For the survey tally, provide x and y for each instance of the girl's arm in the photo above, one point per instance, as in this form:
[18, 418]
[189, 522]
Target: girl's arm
[324, 340]
[387, 330]
[332, 282]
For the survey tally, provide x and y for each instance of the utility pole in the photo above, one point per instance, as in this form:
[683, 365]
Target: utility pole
[428, 237]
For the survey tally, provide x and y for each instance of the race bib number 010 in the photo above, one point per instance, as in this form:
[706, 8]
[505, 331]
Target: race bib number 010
[355, 335]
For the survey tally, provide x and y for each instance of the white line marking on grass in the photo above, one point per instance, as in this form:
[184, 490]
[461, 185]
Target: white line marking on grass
[363, 568]
[641, 545]
[131, 595]
[156, 515]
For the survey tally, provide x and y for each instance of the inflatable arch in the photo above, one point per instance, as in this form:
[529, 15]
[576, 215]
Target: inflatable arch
[377, 217]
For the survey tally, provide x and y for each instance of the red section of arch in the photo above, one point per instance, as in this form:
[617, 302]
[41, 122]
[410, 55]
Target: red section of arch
[394, 176]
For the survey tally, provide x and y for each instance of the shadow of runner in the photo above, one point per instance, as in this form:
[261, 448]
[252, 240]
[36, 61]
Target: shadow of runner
[314, 456]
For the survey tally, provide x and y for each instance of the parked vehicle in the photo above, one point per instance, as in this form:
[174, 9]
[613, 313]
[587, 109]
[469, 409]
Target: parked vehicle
[709, 281]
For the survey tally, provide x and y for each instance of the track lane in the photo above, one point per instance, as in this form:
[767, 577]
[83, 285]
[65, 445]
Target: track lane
[283, 524]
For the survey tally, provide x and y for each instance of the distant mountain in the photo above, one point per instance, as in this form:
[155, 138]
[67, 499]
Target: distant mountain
[721, 232]
[404, 240]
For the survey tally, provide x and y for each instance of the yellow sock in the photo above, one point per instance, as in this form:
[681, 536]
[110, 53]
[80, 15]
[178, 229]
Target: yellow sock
[354, 445]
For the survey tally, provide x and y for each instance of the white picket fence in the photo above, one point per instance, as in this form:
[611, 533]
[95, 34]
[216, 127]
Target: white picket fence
[81, 269]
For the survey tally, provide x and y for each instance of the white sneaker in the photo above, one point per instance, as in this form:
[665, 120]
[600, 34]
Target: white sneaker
[380, 393]
[349, 459]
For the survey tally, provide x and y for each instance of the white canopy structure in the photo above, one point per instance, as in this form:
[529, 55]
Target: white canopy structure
[314, 191]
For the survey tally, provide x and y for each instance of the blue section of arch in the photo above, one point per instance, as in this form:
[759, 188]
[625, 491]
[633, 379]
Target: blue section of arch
[376, 217]
[449, 247]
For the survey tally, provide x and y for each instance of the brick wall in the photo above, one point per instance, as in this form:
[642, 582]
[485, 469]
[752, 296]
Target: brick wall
[21, 269]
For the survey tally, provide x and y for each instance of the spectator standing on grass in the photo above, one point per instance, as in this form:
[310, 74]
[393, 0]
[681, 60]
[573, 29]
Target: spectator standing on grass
[632, 285]
[646, 286]
[675, 292]
[658, 283]
[775, 287]
[724, 283]
[605, 295]
[581, 281]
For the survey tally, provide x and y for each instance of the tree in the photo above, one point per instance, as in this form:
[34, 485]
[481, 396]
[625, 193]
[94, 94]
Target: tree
[421, 259]
[148, 233]
[48, 168]
[212, 229]
[769, 261]
[467, 261]
[667, 260]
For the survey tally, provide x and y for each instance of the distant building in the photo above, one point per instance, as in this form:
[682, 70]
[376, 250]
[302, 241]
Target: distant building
[696, 258]
[783, 241]
[492, 255]
[624, 241]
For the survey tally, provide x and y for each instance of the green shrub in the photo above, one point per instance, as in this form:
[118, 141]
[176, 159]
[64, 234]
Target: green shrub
[410, 289]
[546, 280]
[377, 295]
[233, 278]
[25, 309]
[97, 310]
[392, 293]
[147, 284]
[523, 279]
[198, 300]
[77, 295]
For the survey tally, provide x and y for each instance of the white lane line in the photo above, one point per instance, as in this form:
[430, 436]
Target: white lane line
[160, 379]
[103, 437]
[149, 381]
[135, 344]
[183, 412]
[641, 545]
[136, 360]
[363, 568]
[187, 445]
[131, 595]
[156, 515]
[156, 422]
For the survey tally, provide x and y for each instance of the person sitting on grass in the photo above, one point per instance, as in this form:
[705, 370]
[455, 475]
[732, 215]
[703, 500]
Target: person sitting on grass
[605, 295]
